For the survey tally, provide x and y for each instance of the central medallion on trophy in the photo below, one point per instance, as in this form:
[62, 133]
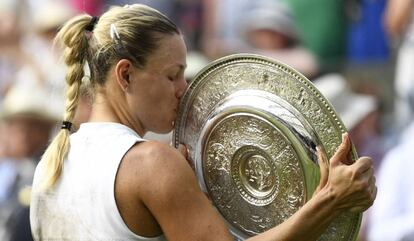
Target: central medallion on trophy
[254, 174]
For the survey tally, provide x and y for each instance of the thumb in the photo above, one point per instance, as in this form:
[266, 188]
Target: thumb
[323, 167]
[341, 155]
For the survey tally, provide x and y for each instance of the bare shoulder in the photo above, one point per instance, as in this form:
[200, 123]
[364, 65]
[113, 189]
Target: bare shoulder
[167, 187]
[158, 156]
[155, 165]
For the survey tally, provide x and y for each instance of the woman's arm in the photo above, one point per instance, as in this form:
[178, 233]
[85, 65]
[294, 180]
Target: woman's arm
[184, 213]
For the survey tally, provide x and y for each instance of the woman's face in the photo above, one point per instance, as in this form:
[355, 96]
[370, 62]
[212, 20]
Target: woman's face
[157, 88]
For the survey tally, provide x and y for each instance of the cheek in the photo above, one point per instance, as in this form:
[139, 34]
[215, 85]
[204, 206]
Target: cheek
[166, 94]
[158, 98]
[159, 101]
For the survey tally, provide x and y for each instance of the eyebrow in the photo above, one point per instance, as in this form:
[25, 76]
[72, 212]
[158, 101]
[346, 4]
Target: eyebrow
[181, 67]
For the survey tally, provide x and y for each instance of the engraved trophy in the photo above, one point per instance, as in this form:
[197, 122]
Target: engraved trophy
[251, 125]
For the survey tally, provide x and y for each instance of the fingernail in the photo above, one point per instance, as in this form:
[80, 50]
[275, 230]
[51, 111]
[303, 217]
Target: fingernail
[344, 136]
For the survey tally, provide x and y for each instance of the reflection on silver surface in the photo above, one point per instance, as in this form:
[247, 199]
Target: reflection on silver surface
[252, 126]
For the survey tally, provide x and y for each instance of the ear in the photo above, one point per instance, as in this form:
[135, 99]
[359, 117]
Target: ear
[122, 72]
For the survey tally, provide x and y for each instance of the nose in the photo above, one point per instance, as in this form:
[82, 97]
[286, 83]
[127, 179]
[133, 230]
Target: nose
[182, 86]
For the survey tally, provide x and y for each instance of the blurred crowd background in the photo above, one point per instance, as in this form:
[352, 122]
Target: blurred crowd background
[359, 54]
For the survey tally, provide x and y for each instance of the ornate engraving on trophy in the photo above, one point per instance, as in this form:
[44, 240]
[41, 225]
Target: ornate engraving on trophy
[217, 158]
[250, 167]
[258, 173]
[259, 167]
[255, 175]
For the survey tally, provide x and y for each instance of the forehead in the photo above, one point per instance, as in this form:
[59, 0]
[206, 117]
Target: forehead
[171, 53]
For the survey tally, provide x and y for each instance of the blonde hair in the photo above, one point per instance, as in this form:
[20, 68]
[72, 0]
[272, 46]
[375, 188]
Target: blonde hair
[130, 32]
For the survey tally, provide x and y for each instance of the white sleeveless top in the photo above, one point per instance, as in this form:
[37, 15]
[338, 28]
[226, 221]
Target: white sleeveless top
[82, 207]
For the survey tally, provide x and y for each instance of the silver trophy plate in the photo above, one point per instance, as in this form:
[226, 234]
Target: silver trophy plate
[251, 125]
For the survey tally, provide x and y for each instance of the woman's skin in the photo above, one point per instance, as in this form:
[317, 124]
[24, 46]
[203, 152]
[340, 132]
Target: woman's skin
[157, 191]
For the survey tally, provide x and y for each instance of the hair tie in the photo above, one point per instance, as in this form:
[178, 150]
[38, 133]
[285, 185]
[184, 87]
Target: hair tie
[92, 24]
[66, 125]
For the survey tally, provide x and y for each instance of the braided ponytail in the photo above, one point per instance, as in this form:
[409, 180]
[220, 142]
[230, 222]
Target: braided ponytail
[74, 39]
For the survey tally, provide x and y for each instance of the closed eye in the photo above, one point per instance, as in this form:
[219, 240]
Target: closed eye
[176, 75]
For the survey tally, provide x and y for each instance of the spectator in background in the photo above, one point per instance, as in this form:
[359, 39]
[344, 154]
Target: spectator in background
[28, 123]
[393, 212]
[269, 29]
[399, 22]
[366, 41]
[220, 33]
[322, 26]
[359, 112]
[264, 27]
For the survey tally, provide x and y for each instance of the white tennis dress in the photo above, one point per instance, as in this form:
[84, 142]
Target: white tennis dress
[82, 205]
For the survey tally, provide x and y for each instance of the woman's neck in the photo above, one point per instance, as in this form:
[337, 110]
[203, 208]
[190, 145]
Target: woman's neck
[105, 110]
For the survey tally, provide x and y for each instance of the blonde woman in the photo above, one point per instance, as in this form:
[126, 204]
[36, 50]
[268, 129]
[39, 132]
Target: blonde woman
[105, 182]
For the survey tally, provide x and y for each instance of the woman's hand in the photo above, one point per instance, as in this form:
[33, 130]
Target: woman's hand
[352, 185]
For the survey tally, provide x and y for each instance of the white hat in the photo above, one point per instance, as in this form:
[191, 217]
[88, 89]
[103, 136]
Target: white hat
[30, 100]
[272, 16]
[350, 106]
[51, 15]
